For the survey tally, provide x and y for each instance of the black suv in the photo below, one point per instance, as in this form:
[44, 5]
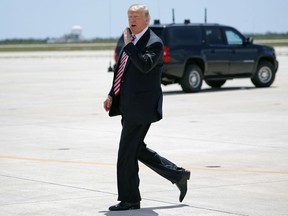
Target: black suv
[213, 53]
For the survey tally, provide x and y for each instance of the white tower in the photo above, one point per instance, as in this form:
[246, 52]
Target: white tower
[76, 32]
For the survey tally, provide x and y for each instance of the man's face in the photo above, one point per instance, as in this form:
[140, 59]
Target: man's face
[137, 20]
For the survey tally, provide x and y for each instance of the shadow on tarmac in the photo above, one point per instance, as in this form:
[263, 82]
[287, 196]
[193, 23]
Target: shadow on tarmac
[208, 90]
[141, 212]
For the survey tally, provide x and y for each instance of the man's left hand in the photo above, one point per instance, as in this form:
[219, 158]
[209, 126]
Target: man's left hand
[107, 103]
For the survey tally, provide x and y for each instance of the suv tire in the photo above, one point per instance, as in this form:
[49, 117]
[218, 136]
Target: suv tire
[265, 75]
[215, 83]
[192, 79]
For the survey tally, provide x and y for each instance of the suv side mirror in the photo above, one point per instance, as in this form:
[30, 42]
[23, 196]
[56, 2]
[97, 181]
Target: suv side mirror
[248, 40]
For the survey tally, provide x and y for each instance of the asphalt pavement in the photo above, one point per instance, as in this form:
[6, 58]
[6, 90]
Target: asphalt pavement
[58, 147]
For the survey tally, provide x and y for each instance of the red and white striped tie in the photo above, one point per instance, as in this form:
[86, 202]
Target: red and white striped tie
[119, 74]
[121, 70]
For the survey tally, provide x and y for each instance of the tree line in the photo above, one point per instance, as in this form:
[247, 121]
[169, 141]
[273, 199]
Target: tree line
[46, 40]
[14, 41]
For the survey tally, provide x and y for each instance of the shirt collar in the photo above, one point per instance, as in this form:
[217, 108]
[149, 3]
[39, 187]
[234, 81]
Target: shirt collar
[138, 36]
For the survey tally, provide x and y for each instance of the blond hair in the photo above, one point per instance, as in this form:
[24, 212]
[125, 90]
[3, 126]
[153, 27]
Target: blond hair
[140, 7]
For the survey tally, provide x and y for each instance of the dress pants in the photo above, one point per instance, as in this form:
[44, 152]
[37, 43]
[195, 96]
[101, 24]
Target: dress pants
[131, 149]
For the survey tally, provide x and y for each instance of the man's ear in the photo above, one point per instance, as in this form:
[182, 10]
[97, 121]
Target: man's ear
[148, 21]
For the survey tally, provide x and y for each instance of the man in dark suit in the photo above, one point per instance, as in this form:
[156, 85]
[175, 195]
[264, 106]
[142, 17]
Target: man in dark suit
[136, 95]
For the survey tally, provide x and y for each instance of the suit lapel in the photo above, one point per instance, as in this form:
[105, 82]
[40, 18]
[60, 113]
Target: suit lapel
[141, 44]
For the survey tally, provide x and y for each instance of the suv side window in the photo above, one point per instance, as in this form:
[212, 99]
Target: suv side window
[185, 36]
[233, 37]
[214, 36]
[158, 31]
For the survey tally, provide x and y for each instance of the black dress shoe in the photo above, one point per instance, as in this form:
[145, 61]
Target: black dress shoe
[125, 206]
[182, 184]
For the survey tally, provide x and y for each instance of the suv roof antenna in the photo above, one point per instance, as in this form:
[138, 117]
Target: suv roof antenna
[173, 16]
[110, 69]
[205, 16]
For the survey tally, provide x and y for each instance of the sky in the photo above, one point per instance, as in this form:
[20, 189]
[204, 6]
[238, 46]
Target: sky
[107, 18]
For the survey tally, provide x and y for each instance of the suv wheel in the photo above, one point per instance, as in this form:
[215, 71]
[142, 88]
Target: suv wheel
[192, 79]
[215, 83]
[264, 76]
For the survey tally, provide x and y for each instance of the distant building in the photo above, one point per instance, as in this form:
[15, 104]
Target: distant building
[74, 36]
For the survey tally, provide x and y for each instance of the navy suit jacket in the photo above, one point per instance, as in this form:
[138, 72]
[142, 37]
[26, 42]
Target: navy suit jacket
[140, 99]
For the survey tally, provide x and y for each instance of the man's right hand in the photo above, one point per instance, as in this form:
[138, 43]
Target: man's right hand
[107, 103]
[127, 36]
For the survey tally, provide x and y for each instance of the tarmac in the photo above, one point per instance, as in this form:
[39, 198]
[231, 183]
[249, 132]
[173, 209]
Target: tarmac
[58, 147]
